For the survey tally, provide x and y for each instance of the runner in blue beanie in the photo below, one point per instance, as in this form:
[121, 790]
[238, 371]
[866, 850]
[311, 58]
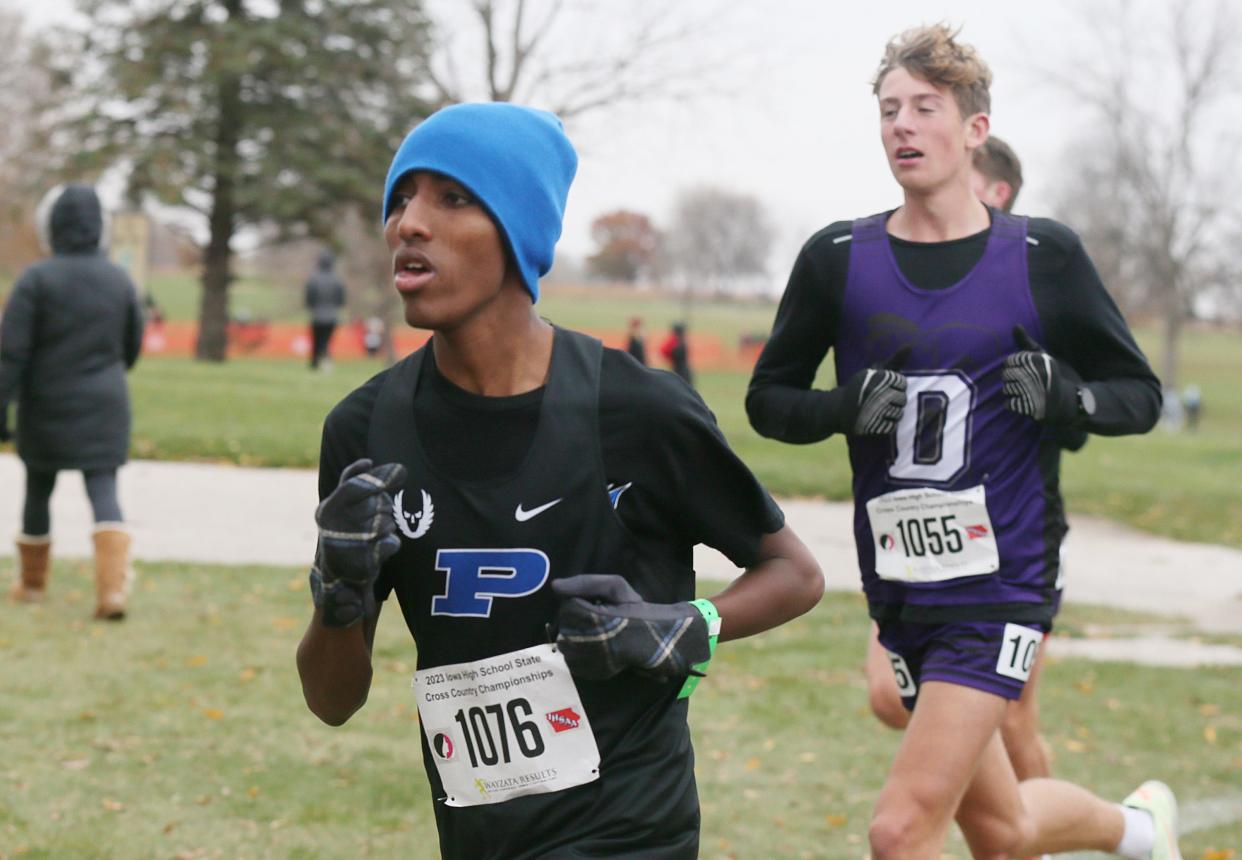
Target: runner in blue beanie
[516, 160]
[532, 501]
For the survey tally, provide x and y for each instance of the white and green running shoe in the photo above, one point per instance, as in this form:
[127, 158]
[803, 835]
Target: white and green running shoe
[1157, 799]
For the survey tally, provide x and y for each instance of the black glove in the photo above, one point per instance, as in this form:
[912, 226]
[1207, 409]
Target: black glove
[1036, 386]
[5, 435]
[605, 627]
[357, 534]
[875, 396]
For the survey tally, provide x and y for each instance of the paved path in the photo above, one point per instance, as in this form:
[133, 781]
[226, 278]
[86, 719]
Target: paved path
[232, 515]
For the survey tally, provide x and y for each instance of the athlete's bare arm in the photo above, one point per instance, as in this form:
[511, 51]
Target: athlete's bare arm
[334, 664]
[784, 583]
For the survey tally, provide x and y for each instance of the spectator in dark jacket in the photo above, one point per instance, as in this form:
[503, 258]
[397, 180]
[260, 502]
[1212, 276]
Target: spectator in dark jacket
[71, 329]
[676, 351]
[325, 296]
[636, 342]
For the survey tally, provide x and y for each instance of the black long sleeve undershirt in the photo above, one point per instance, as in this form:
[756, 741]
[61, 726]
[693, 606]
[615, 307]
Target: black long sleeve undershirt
[1082, 328]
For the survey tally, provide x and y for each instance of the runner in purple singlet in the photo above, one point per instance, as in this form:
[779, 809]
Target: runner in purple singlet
[965, 341]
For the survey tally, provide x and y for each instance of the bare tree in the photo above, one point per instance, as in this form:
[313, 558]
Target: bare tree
[22, 80]
[1156, 190]
[569, 56]
[367, 267]
[720, 241]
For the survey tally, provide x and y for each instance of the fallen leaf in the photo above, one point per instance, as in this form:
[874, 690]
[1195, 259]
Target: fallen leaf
[213, 713]
[1209, 710]
[1209, 734]
[112, 805]
[284, 623]
[836, 819]
[753, 763]
[1074, 746]
[196, 661]
[247, 675]
[1218, 854]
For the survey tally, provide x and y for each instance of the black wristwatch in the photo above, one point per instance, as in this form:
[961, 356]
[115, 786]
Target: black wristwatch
[1086, 402]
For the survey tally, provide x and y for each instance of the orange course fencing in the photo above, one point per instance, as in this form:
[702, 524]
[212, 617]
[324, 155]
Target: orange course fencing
[708, 351]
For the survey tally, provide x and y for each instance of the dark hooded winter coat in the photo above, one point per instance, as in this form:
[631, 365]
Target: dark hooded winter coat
[325, 294]
[71, 328]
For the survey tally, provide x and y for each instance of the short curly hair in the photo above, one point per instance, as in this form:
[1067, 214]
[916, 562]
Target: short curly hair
[933, 54]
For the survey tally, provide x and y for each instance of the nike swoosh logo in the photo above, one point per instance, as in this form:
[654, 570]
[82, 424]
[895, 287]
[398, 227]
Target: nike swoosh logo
[522, 515]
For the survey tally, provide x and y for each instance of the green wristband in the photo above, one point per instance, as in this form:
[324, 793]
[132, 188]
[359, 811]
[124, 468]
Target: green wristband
[712, 617]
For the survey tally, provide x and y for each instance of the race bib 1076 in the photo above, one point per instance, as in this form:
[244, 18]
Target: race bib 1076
[928, 535]
[506, 726]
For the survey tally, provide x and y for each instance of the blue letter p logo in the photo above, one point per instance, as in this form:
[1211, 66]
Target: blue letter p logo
[475, 576]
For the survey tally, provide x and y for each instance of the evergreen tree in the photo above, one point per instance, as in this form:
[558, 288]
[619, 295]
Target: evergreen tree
[250, 112]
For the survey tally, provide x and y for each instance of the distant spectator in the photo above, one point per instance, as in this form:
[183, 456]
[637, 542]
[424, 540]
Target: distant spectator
[676, 351]
[636, 344]
[73, 326]
[155, 339]
[1192, 406]
[152, 310]
[1172, 415]
[325, 296]
[373, 336]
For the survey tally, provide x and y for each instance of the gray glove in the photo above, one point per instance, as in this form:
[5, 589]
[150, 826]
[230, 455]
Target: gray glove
[605, 627]
[875, 397]
[357, 534]
[1036, 386]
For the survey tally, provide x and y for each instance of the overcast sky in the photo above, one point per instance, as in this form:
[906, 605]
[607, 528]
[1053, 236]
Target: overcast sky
[793, 121]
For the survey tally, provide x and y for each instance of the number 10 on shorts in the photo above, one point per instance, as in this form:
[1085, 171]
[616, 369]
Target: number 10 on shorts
[1019, 648]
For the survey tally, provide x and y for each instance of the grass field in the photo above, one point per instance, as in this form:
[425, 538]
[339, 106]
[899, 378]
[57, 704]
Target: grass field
[269, 413]
[182, 733]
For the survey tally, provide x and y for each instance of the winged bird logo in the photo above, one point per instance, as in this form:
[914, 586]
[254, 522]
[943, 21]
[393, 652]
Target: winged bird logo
[414, 526]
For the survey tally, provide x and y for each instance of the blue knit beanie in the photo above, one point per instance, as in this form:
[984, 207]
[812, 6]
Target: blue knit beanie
[516, 160]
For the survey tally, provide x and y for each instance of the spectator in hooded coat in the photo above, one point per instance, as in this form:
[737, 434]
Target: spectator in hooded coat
[71, 329]
[325, 296]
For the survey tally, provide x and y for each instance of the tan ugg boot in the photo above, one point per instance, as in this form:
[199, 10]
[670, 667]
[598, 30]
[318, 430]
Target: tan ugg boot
[113, 574]
[34, 559]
